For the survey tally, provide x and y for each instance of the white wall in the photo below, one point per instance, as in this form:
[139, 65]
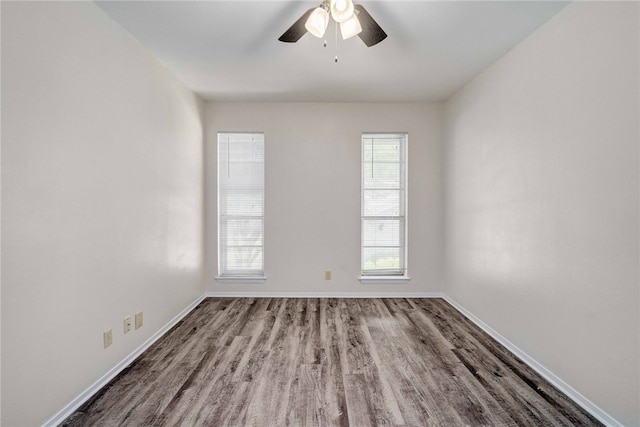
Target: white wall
[312, 205]
[541, 200]
[0, 222]
[101, 199]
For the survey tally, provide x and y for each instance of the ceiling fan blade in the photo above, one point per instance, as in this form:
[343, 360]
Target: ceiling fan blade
[297, 30]
[372, 33]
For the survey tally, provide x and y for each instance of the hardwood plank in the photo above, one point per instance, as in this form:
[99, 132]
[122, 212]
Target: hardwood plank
[332, 379]
[328, 362]
[382, 398]
[520, 382]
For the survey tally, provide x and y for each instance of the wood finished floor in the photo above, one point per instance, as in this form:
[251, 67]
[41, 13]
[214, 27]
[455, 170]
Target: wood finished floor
[328, 362]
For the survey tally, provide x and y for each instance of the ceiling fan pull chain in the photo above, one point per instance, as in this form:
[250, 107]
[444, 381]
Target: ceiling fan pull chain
[325, 34]
[336, 60]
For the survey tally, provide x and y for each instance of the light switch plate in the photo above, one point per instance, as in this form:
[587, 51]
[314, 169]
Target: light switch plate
[138, 320]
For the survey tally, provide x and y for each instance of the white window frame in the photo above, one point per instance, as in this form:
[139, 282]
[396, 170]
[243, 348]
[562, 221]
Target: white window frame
[226, 274]
[399, 275]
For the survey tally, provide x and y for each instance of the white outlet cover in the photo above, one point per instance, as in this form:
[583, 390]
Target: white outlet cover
[108, 338]
[127, 324]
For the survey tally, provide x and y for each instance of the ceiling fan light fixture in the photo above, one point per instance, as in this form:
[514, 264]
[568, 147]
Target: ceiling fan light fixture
[317, 22]
[341, 10]
[351, 27]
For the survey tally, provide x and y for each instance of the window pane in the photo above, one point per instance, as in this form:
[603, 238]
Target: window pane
[381, 259]
[244, 260]
[243, 202]
[377, 232]
[381, 149]
[382, 175]
[243, 232]
[383, 204]
[240, 203]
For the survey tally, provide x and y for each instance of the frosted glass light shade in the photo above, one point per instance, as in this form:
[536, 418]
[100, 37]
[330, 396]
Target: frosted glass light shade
[317, 22]
[341, 10]
[350, 27]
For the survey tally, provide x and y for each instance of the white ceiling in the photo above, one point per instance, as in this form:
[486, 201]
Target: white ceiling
[228, 50]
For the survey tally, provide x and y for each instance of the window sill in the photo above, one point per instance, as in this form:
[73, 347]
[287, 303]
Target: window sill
[241, 279]
[379, 280]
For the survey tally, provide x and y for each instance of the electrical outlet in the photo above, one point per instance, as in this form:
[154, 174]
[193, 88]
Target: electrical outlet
[138, 320]
[127, 324]
[108, 338]
[327, 275]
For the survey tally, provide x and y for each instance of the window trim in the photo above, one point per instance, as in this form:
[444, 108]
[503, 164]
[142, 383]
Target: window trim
[383, 280]
[243, 276]
[378, 277]
[241, 279]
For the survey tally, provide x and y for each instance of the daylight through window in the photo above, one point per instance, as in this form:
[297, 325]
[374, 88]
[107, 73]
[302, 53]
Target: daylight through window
[240, 205]
[384, 204]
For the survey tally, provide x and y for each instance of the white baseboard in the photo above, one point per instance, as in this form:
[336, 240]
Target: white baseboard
[325, 294]
[65, 412]
[565, 388]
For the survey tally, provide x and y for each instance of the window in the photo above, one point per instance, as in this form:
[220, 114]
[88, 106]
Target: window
[240, 206]
[384, 203]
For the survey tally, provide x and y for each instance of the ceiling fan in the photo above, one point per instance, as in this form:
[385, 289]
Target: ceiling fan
[353, 19]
